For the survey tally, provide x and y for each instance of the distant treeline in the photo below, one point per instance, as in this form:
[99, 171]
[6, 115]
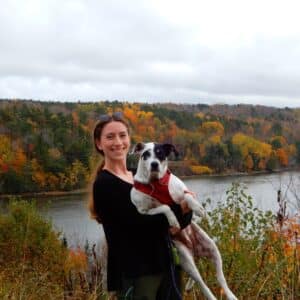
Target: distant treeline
[46, 146]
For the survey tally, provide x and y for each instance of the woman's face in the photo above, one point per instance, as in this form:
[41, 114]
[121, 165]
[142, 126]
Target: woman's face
[114, 141]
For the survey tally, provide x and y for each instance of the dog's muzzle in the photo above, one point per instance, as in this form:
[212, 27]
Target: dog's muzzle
[154, 170]
[154, 167]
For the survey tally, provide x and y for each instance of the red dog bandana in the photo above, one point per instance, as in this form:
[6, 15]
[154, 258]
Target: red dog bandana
[158, 189]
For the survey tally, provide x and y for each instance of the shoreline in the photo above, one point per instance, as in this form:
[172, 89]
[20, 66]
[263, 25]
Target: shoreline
[253, 173]
[45, 194]
[48, 194]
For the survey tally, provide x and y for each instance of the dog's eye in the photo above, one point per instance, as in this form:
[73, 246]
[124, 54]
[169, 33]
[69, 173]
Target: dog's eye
[159, 154]
[146, 155]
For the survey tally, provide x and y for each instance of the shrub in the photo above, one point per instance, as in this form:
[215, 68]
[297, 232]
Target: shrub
[257, 262]
[31, 254]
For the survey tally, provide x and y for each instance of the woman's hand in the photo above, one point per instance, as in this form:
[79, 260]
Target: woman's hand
[184, 207]
[174, 230]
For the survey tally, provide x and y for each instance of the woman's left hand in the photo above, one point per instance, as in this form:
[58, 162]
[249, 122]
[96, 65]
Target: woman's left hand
[174, 230]
[184, 207]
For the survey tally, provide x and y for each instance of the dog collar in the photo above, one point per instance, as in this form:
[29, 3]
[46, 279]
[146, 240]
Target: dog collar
[158, 189]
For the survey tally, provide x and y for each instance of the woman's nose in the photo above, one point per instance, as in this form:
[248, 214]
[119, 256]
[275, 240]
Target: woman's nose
[118, 140]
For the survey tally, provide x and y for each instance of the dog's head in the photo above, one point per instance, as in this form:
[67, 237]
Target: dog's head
[153, 162]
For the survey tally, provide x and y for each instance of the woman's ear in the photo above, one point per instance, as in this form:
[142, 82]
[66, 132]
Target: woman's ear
[98, 144]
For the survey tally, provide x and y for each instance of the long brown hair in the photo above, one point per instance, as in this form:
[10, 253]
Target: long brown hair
[96, 137]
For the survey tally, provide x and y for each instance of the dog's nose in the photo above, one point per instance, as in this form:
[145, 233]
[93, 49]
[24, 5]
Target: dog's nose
[154, 166]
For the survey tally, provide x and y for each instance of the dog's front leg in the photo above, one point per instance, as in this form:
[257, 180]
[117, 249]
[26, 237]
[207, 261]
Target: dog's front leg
[194, 205]
[166, 210]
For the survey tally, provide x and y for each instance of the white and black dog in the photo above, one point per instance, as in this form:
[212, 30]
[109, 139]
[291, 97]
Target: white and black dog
[155, 188]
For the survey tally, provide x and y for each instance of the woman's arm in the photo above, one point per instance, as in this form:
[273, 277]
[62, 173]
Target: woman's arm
[115, 207]
[184, 219]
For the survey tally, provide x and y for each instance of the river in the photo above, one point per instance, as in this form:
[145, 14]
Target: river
[70, 214]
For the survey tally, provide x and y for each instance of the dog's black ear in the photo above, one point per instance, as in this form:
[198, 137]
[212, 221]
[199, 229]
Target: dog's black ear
[169, 148]
[138, 148]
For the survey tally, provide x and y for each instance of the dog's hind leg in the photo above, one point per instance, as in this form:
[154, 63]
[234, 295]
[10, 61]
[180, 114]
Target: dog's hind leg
[217, 260]
[210, 250]
[189, 266]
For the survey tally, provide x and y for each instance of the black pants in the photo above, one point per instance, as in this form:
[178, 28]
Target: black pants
[167, 290]
[152, 287]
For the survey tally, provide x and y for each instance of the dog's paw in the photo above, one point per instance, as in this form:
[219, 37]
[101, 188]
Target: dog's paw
[189, 285]
[201, 212]
[174, 223]
[231, 296]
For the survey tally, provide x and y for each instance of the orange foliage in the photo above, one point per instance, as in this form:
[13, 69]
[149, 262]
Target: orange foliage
[76, 261]
[262, 164]
[75, 118]
[202, 150]
[249, 163]
[19, 160]
[131, 115]
[290, 232]
[38, 176]
[282, 157]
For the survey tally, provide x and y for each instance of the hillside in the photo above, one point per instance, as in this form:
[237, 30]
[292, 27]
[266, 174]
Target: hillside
[47, 145]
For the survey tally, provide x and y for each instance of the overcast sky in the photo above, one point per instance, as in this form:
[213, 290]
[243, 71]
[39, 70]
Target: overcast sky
[227, 51]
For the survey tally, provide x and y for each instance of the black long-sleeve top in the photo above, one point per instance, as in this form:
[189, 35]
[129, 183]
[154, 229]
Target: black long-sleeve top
[137, 243]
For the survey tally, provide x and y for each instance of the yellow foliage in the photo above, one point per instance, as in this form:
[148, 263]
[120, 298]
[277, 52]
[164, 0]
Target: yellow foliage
[6, 153]
[199, 170]
[200, 115]
[33, 124]
[146, 115]
[291, 149]
[249, 144]
[54, 153]
[212, 128]
[40, 178]
[215, 139]
[75, 172]
[52, 180]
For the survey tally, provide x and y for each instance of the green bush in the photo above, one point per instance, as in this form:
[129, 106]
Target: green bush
[31, 254]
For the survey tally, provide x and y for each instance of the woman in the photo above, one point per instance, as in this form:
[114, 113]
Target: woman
[140, 262]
